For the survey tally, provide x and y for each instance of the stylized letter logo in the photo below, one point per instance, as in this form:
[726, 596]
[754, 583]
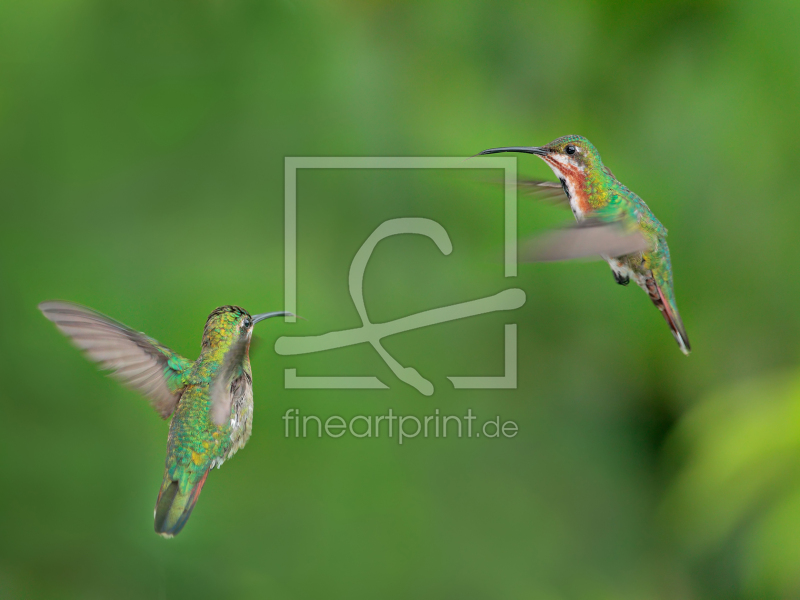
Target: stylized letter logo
[373, 333]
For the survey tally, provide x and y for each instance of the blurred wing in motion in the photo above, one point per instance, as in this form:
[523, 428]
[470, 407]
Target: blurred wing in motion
[221, 393]
[138, 361]
[551, 191]
[590, 238]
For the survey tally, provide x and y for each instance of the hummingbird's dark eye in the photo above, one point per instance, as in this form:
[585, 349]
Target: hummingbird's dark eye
[247, 323]
[570, 149]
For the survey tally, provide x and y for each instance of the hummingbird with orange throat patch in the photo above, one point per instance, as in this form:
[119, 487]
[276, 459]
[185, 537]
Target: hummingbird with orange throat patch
[210, 400]
[612, 222]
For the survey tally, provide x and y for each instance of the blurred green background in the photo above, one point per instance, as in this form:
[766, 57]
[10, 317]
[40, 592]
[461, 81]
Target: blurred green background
[142, 151]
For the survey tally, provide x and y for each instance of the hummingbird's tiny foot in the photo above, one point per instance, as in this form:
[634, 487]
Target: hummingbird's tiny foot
[621, 279]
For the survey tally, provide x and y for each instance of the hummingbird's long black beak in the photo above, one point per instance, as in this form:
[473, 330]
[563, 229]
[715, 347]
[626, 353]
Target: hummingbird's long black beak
[526, 149]
[262, 316]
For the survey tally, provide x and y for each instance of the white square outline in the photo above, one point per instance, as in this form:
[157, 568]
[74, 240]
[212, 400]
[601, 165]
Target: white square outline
[293, 163]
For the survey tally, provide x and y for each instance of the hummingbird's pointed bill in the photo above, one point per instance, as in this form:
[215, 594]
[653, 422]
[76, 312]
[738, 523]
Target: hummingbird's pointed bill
[523, 149]
[262, 316]
[613, 222]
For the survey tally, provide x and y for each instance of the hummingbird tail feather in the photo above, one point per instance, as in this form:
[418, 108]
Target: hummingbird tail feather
[671, 315]
[173, 507]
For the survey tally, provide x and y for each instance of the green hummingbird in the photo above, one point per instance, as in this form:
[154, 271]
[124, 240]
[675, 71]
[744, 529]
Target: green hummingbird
[612, 221]
[210, 399]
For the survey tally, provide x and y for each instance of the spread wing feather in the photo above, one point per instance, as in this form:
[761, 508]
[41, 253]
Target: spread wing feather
[137, 360]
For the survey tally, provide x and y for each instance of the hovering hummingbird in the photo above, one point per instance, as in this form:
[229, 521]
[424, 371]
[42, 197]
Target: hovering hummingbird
[612, 222]
[210, 400]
